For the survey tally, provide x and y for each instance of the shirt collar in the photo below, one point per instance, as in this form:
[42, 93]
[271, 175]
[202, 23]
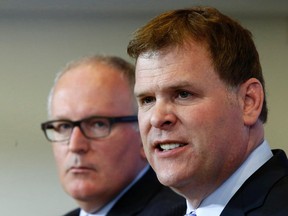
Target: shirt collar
[214, 204]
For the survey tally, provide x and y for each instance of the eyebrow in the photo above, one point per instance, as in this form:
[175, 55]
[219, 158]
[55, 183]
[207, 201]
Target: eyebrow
[174, 87]
[183, 84]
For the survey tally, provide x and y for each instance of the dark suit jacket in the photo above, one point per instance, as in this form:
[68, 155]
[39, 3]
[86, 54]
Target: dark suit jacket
[265, 193]
[147, 197]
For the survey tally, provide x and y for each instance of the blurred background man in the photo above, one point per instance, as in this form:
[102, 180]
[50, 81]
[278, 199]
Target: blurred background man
[96, 142]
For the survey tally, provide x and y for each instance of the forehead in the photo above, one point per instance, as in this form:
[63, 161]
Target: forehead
[98, 79]
[185, 64]
[97, 90]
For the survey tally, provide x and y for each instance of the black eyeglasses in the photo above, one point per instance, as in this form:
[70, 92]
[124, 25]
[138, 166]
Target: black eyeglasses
[91, 127]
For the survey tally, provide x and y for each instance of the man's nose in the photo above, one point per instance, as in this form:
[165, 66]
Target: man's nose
[163, 116]
[78, 142]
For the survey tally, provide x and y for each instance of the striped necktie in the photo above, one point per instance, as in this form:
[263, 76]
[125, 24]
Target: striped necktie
[193, 213]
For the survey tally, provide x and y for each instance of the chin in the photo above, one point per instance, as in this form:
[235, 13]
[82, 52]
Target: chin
[166, 178]
[80, 189]
[82, 195]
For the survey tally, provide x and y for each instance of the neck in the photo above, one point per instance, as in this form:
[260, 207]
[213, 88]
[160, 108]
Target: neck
[199, 189]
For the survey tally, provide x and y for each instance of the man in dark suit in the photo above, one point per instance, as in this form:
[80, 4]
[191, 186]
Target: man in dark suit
[202, 109]
[96, 142]
[146, 197]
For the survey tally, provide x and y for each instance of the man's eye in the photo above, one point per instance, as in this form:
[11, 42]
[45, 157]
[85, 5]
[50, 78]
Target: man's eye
[61, 127]
[147, 100]
[99, 124]
[184, 94]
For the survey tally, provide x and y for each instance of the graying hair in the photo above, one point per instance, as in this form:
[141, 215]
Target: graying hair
[123, 66]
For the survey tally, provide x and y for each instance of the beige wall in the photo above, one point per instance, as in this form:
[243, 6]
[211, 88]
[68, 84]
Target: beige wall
[271, 37]
[32, 50]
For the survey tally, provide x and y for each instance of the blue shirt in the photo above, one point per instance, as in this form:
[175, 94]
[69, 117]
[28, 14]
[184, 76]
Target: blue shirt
[214, 204]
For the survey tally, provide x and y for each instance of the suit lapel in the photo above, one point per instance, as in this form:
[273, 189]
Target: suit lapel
[253, 192]
[135, 199]
[75, 212]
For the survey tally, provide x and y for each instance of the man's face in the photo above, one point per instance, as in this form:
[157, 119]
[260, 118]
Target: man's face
[191, 124]
[93, 171]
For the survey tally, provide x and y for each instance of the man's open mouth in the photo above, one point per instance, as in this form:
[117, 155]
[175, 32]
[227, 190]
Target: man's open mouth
[169, 146]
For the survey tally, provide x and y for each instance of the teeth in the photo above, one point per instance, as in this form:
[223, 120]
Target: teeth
[167, 147]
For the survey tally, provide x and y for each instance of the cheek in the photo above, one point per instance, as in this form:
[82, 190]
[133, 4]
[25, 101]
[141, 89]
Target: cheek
[144, 125]
[207, 115]
[125, 144]
[216, 129]
[59, 155]
[204, 126]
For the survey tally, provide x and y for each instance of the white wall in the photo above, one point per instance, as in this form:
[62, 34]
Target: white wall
[32, 50]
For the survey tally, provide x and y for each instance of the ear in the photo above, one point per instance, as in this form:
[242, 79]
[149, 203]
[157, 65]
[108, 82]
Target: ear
[252, 96]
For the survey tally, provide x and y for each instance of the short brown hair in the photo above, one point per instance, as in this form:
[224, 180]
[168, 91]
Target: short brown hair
[231, 46]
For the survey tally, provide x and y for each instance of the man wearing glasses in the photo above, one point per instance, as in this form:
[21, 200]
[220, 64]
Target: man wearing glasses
[96, 143]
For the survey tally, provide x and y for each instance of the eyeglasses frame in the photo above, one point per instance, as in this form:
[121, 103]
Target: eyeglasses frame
[112, 121]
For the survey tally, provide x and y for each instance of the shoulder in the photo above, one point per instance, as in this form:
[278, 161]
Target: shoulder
[265, 191]
[149, 197]
[166, 203]
[75, 212]
[161, 200]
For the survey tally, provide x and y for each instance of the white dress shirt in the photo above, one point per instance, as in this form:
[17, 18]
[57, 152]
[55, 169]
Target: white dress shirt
[214, 204]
